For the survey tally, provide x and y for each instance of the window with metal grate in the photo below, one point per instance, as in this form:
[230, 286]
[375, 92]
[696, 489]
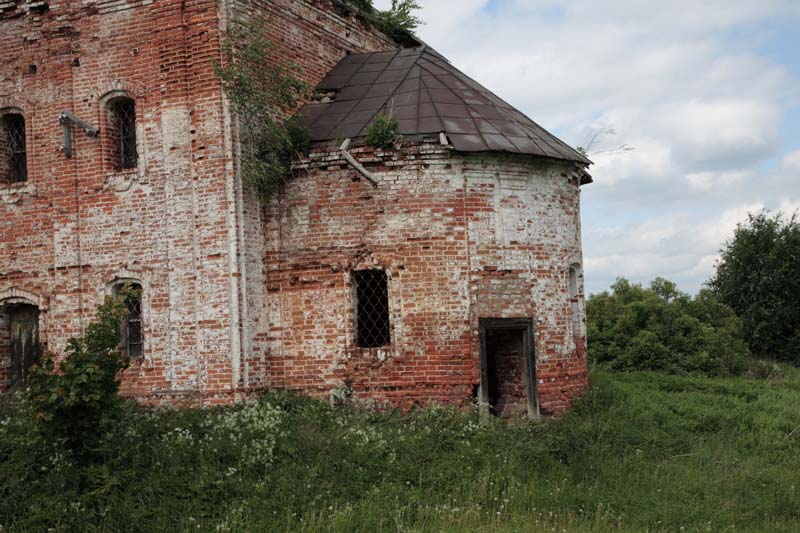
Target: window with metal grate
[132, 332]
[372, 308]
[122, 132]
[14, 148]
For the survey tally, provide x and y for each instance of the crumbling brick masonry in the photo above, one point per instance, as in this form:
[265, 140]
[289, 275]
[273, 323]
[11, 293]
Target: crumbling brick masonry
[390, 277]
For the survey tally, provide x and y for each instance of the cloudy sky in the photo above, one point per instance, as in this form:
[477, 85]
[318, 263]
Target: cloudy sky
[707, 93]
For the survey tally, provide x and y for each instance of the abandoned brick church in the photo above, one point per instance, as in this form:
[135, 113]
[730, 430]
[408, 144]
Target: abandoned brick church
[444, 270]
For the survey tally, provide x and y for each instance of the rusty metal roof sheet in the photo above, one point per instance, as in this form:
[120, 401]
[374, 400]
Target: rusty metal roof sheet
[427, 95]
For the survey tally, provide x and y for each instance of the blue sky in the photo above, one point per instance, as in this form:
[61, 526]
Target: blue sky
[706, 93]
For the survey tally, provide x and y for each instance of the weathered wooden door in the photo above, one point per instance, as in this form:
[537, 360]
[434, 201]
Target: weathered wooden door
[25, 350]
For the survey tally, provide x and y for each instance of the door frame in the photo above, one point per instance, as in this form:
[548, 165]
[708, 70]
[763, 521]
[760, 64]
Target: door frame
[524, 325]
[10, 310]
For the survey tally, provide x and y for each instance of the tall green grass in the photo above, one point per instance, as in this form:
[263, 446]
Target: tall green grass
[641, 452]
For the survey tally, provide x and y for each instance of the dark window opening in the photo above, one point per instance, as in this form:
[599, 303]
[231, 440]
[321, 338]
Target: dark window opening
[372, 308]
[19, 345]
[132, 331]
[13, 147]
[122, 132]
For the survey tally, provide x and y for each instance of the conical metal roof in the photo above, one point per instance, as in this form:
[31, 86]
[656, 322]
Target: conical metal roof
[427, 95]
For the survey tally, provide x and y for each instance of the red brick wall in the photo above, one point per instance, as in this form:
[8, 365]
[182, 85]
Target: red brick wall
[460, 237]
[235, 298]
[5, 350]
[177, 222]
[312, 35]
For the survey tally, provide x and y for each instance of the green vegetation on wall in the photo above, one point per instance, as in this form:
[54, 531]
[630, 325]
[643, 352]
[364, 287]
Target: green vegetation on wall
[75, 403]
[660, 328]
[398, 22]
[264, 89]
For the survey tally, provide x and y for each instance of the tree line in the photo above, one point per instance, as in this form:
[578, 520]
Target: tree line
[748, 311]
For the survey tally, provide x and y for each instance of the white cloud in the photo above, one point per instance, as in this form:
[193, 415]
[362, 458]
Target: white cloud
[789, 206]
[701, 181]
[791, 162]
[706, 181]
[678, 246]
[683, 82]
[649, 158]
[725, 132]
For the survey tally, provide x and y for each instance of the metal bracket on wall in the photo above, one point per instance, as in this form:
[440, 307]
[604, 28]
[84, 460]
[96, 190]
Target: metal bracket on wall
[355, 164]
[65, 119]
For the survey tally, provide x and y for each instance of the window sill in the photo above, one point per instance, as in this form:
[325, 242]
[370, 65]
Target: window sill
[12, 193]
[123, 179]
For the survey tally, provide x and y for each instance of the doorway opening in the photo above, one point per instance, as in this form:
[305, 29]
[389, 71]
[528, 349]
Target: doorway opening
[508, 368]
[19, 344]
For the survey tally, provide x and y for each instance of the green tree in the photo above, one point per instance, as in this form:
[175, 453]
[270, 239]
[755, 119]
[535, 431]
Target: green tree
[75, 403]
[758, 275]
[661, 328]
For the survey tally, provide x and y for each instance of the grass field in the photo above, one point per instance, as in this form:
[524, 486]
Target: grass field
[641, 452]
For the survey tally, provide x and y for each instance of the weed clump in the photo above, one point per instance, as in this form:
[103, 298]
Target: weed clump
[75, 403]
[383, 132]
[398, 22]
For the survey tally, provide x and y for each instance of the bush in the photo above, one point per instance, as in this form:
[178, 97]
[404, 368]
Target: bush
[660, 328]
[76, 402]
[758, 276]
[384, 132]
[398, 22]
[641, 452]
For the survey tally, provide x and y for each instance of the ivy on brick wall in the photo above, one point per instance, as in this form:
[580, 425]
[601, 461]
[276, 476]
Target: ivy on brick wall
[264, 89]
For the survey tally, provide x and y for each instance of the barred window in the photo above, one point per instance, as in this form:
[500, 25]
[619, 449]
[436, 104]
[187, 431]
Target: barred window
[122, 132]
[132, 332]
[14, 165]
[372, 308]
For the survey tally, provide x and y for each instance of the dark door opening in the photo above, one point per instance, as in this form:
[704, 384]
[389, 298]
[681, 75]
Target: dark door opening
[24, 350]
[508, 373]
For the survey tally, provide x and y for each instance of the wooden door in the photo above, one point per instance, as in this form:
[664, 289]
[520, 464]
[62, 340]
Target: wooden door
[25, 350]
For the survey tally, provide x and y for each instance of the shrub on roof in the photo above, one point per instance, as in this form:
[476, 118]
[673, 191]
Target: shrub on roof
[384, 132]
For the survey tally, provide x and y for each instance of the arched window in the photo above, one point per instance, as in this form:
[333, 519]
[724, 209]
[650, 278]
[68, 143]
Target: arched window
[13, 150]
[132, 331]
[121, 112]
[574, 301]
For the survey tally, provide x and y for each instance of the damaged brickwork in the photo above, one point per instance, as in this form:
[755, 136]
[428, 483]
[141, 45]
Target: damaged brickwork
[460, 237]
[173, 223]
[235, 298]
